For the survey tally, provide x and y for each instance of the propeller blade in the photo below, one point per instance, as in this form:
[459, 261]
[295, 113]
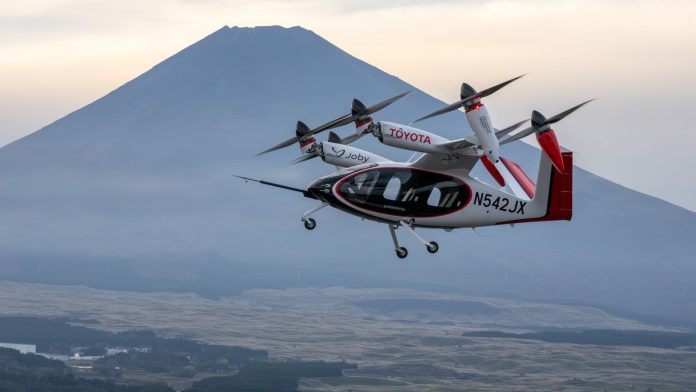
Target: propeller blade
[560, 116]
[338, 122]
[502, 132]
[379, 106]
[461, 102]
[491, 90]
[284, 144]
[351, 138]
[333, 138]
[444, 110]
[330, 125]
[368, 111]
[524, 133]
[535, 127]
[304, 158]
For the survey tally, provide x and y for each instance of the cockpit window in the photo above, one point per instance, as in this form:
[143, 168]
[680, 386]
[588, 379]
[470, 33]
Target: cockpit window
[403, 191]
[360, 187]
[434, 198]
[391, 191]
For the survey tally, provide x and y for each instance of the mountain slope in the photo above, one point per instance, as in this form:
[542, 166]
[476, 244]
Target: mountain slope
[147, 170]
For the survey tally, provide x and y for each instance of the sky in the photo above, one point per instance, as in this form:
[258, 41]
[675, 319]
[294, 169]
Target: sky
[636, 57]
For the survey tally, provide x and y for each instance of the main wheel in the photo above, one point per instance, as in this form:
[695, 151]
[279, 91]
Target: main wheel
[310, 224]
[402, 252]
[433, 247]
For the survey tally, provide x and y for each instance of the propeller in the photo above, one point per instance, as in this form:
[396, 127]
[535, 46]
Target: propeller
[319, 148]
[358, 110]
[502, 132]
[546, 137]
[540, 123]
[468, 94]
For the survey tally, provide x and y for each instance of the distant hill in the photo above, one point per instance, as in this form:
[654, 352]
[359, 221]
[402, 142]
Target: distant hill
[145, 173]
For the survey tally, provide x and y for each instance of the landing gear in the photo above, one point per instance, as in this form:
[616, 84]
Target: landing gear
[310, 224]
[432, 247]
[401, 252]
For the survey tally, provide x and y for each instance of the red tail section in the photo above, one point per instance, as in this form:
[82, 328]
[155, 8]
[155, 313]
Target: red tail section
[560, 196]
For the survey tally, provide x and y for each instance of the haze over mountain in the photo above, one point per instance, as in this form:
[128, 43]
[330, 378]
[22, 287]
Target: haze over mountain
[146, 172]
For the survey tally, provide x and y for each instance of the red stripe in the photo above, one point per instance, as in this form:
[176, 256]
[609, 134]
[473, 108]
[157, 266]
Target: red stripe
[491, 169]
[473, 107]
[307, 142]
[520, 176]
[360, 123]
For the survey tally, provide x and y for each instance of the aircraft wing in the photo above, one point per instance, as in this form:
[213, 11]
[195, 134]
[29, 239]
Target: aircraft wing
[472, 140]
[453, 161]
[459, 144]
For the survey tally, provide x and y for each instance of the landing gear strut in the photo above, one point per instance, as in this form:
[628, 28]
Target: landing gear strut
[431, 246]
[310, 223]
[402, 252]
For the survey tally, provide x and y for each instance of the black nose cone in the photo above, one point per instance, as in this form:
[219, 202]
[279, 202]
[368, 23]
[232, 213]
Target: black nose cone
[538, 119]
[466, 91]
[321, 188]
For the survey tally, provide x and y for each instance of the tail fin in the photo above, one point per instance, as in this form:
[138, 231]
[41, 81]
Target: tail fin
[559, 188]
[553, 195]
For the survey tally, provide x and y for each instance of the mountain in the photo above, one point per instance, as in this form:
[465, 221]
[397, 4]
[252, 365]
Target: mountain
[146, 172]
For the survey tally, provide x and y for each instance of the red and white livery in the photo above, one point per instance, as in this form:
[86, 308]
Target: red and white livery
[437, 190]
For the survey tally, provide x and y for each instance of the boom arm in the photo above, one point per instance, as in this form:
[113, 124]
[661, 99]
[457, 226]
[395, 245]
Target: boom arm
[304, 192]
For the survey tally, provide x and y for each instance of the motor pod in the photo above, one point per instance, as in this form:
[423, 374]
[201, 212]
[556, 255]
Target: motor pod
[346, 156]
[495, 173]
[362, 124]
[480, 122]
[549, 143]
[307, 143]
[408, 138]
[546, 137]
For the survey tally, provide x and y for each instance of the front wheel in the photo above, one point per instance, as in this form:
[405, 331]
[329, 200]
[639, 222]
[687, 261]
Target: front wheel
[310, 224]
[433, 247]
[402, 252]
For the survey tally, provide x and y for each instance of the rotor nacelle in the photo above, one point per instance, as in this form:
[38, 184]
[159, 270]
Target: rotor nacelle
[342, 155]
[305, 139]
[408, 138]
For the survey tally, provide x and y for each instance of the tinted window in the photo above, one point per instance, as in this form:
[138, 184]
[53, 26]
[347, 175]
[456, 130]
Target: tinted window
[391, 192]
[406, 192]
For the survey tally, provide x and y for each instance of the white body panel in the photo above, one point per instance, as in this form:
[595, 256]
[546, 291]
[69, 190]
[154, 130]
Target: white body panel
[345, 156]
[486, 205]
[480, 123]
[410, 138]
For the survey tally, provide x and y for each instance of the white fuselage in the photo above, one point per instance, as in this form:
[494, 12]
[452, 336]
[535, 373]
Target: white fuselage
[393, 192]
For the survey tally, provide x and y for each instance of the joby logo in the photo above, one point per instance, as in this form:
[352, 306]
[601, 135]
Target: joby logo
[411, 136]
[351, 155]
[339, 153]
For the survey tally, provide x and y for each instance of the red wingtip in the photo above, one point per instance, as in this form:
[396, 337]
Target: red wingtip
[491, 169]
[549, 143]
